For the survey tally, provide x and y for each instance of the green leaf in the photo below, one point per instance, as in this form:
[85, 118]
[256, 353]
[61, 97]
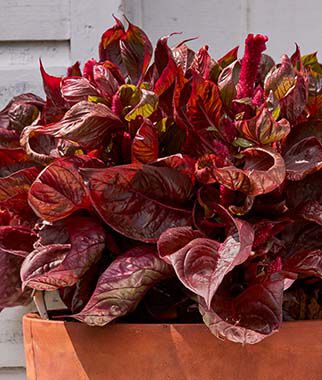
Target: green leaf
[145, 107]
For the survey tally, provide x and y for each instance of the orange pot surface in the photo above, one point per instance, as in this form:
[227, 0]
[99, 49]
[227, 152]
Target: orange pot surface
[73, 351]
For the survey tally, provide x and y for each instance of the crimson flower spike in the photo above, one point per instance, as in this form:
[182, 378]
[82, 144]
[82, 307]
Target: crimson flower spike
[254, 46]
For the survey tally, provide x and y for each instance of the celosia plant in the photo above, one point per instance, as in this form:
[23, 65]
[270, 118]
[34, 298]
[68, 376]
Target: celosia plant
[155, 184]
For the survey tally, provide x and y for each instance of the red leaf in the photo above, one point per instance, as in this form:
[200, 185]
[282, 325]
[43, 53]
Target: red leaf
[87, 124]
[204, 105]
[251, 316]
[165, 66]
[136, 51]
[76, 89]
[202, 263]
[145, 145]
[15, 243]
[139, 201]
[303, 158]
[52, 88]
[123, 285]
[57, 265]
[59, 191]
[263, 128]
[201, 62]
[109, 48]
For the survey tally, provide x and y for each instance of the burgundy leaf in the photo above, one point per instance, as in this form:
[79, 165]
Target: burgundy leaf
[59, 191]
[145, 145]
[52, 88]
[201, 63]
[139, 201]
[303, 158]
[263, 171]
[14, 188]
[204, 105]
[76, 89]
[263, 128]
[180, 162]
[251, 316]
[165, 66]
[74, 70]
[202, 263]
[136, 51]
[173, 239]
[15, 243]
[16, 240]
[294, 102]
[123, 285]
[280, 79]
[306, 262]
[109, 49]
[87, 124]
[183, 56]
[53, 266]
[20, 112]
[105, 81]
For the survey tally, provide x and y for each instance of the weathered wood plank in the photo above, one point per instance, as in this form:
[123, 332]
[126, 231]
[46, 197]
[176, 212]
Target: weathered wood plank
[18, 81]
[218, 23]
[287, 22]
[26, 54]
[12, 374]
[88, 24]
[34, 20]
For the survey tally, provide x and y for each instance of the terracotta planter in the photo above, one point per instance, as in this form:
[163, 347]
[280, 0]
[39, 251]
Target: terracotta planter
[59, 350]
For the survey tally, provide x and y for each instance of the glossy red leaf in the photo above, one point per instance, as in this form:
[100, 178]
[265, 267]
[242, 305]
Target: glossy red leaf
[57, 265]
[59, 190]
[139, 201]
[136, 51]
[14, 188]
[109, 48]
[201, 63]
[263, 128]
[183, 56]
[176, 238]
[52, 88]
[294, 102]
[204, 105]
[15, 243]
[254, 314]
[20, 112]
[202, 263]
[306, 262]
[145, 145]
[123, 285]
[76, 89]
[86, 123]
[165, 65]
[303, 158]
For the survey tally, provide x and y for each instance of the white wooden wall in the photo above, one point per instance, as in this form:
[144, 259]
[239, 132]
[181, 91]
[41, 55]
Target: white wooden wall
[62, 31]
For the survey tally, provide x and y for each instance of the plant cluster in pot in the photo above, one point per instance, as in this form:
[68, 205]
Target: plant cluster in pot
[158, 190]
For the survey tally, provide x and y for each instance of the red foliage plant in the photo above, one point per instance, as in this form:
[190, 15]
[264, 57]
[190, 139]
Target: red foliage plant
[152, 186]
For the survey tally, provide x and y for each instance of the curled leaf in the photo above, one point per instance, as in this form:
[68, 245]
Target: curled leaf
[123, 285]
[57, 265]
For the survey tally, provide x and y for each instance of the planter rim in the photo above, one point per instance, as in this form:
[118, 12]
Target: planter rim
[162, 351]
[35, 318]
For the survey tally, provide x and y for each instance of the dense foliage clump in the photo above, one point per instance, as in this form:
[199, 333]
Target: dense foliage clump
[154, 184]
